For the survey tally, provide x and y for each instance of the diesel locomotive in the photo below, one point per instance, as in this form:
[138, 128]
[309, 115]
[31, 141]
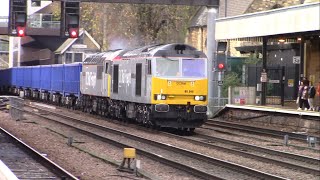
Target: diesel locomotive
[155, 85]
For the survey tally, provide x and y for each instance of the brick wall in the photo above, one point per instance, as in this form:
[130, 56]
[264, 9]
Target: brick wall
[264, 5]
[313, 60]
[234, 7]
[197, 35]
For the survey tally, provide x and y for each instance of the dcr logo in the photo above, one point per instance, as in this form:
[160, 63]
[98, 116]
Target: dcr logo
[91, 79]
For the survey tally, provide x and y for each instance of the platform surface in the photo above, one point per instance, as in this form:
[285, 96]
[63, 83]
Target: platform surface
[275, 109]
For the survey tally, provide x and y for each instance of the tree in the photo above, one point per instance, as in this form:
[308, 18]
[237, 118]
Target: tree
[127, 25]
[230, 79]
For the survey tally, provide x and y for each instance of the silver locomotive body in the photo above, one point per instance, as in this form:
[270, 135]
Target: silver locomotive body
[159, 85]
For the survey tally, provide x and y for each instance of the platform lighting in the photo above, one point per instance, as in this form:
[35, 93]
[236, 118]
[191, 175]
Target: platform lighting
[281, 40]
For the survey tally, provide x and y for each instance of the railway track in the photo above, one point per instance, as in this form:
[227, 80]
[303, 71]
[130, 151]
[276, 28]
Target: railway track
[288, 160]
[257, 130]
[27, 163]
[194, 163]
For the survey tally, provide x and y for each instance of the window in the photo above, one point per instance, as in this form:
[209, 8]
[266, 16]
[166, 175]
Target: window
[193, 68]
[56, 59]
[167, 67]
[149, 66]
[115, 78]
[106, 68]
[78, 57]
[68, 58]
[138, 79]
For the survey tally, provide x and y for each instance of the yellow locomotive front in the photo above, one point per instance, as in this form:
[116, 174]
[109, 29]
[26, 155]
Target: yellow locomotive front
[179, 91]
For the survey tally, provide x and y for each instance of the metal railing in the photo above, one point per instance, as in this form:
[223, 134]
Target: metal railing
[35, 21]
[4, 21]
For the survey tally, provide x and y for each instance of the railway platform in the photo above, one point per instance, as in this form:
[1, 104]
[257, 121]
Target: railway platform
[290, 119]
[275, 110]
[6, 173]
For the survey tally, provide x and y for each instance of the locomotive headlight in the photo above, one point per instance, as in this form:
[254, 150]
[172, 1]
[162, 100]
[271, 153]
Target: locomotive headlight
[160, 97]
[199, 98]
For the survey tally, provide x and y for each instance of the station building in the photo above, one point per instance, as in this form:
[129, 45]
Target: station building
[285, 32]
[287, 38]
[45, 49]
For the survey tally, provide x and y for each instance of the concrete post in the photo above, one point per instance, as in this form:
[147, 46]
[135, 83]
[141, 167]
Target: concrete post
[11, 51]
[211, 49]
[264, 68]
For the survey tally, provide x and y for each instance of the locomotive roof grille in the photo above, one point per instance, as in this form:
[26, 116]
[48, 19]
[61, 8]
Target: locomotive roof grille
[159, 50]
[153, 50]
[99, 58]
[94, 59]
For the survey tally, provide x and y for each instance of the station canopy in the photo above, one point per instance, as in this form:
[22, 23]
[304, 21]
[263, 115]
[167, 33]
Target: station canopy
[288, 20]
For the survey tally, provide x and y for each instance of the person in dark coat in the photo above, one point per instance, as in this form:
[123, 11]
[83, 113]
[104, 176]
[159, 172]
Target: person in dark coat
[299, 102]
[303, 95]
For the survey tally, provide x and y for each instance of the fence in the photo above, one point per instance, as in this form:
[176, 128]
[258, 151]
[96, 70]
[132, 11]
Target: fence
[16, 104]
[242, 95]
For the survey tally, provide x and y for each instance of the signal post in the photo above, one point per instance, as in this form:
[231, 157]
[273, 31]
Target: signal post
[17, 18]
[70, 14]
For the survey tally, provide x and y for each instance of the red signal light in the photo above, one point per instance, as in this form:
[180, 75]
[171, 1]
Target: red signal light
[73, 32]
[221, 66]
[21, 31]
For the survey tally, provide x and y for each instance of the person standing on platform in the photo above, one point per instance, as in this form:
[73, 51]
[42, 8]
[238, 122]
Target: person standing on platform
[312, 94]
[299, 102]
[303, 95]
[318, 94]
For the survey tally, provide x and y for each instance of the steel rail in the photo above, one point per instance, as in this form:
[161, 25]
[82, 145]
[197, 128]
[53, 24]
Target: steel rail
[312, 161]
[153, 156]
[257, 130]
[262, 149]
[300, 158]
[225, 164]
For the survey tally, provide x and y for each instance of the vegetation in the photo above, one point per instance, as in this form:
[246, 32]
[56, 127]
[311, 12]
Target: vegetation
[230, 79]
[126, 25]
[233, 78]
[253, 58]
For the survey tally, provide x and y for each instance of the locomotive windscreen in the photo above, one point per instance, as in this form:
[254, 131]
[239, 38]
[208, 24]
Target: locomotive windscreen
[194, 68]
[167, 67]
[185, 67]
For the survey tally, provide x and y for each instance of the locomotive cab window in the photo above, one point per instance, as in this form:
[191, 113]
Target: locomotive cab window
[167, 67]
[194, 68]
[191, 67]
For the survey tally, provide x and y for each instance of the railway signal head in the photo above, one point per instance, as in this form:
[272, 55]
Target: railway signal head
[73, 32]
[70, 19]
[21, 31]
[221, 66]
